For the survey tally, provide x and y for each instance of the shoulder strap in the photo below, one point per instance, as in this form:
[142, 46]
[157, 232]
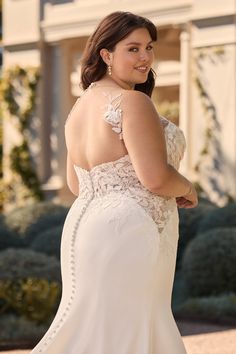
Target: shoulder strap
[113, 113]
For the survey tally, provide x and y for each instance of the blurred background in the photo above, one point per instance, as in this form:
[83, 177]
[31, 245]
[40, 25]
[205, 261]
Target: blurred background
[195, 62]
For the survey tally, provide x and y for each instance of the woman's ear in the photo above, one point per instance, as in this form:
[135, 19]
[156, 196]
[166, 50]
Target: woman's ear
[106, 56]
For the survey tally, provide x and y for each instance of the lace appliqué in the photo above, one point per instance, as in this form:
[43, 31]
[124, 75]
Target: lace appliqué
[113, 114]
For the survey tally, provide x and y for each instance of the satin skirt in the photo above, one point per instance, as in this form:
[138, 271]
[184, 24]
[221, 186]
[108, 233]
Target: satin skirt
[117, 274]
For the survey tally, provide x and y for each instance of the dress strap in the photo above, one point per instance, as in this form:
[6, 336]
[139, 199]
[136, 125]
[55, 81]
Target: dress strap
[113, 113]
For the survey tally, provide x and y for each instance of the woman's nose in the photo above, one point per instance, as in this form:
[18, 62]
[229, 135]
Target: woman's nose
[144, 56]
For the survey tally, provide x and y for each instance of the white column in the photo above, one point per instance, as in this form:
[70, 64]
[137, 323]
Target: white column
[55, 117]
[184, 114]
[59, 103]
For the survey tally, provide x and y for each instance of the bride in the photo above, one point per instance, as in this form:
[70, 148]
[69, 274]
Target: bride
[119, 241]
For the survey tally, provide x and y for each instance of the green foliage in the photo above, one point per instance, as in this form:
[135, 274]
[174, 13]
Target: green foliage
[18, 87]
[19, 330]
[48, 242]
[16, 264]
[180, 291]
[33, 219]
[35, 299]
[21, 164]
[209, 263]
[170, 110]
[7, 238]
[30, 284]
[1, 142]
[221, 217]
[189, 220]
[45, 223]
[15, 81]
[219, 307]
[1, 161]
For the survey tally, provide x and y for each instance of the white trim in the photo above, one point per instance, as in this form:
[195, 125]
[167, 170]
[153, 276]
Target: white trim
[71, 26]
[168, 73]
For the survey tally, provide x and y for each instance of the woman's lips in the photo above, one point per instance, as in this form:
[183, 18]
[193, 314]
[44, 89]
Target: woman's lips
[142, 69]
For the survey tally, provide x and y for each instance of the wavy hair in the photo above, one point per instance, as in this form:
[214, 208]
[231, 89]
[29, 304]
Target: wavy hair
[111, 30]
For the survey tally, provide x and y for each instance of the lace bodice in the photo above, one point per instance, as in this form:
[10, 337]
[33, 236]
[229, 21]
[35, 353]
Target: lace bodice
[119, 176]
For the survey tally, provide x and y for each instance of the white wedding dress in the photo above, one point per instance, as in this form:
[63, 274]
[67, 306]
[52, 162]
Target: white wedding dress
[118, 257]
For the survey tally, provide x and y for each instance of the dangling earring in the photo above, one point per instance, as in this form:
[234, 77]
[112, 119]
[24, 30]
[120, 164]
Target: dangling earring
[109, 69]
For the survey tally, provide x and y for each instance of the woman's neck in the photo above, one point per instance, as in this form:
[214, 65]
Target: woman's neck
[109, 81]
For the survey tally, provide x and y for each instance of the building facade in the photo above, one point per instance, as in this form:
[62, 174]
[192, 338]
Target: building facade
[195, 85]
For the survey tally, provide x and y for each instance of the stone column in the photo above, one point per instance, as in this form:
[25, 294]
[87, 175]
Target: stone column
[184, 114]
[60, 101]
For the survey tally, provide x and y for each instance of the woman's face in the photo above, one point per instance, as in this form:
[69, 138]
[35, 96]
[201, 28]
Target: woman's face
[132, 58]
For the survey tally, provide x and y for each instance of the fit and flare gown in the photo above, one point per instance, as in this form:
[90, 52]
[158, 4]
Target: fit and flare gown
[118, 256]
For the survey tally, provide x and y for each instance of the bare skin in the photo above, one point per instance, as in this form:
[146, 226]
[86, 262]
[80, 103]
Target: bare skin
[88, 136]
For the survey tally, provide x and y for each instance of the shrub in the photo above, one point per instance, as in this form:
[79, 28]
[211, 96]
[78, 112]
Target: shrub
[24, 263]
[35, 299]
[180, 291]
[44, 224]
[221, 217]
[189, 220]
[209, 263]
[48, 242]
[30, 220]
[219, 307]
[7, 238]
[19, 331]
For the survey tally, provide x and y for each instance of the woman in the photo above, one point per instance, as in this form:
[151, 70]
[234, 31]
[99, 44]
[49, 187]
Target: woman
[120, 237]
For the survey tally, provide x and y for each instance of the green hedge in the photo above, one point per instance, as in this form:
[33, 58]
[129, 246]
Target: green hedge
[30, 284]
[25, 263]
[220, 217]
[17, 330]
[217, 308]
[48, 242]
[209, 263]
[29, 221]
[189, 220]
[34, 299]
[7, 238]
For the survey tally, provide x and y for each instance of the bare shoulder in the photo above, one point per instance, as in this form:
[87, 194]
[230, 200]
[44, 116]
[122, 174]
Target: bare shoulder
[134, 94]
[136, 104]
[138, 98]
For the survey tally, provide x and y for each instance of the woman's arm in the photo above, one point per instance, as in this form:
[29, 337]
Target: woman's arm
[72, 179]
[145, 141]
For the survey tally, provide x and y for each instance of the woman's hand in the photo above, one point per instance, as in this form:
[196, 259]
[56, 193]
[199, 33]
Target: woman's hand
[189, 200]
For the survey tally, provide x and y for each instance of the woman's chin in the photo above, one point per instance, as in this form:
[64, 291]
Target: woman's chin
[138, 82]
[142, 79]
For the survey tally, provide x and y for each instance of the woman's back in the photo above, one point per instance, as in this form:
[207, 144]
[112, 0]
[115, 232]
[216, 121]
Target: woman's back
[90, 138]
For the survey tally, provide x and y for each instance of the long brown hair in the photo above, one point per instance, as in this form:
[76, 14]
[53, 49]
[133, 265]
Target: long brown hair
[112, 29]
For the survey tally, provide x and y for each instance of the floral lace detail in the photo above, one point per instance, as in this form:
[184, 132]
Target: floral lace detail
[113, 113]
[119, 177]
[175, 143]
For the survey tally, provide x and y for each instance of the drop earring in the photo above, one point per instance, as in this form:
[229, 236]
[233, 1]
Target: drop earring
[109, 70]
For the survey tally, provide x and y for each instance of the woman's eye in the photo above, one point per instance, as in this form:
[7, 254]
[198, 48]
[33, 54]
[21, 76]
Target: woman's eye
[134, 49]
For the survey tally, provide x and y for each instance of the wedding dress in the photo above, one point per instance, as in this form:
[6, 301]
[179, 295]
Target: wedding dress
[118, 255]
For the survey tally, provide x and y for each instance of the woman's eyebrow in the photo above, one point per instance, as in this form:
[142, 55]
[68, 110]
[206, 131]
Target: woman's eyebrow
[138, 43]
